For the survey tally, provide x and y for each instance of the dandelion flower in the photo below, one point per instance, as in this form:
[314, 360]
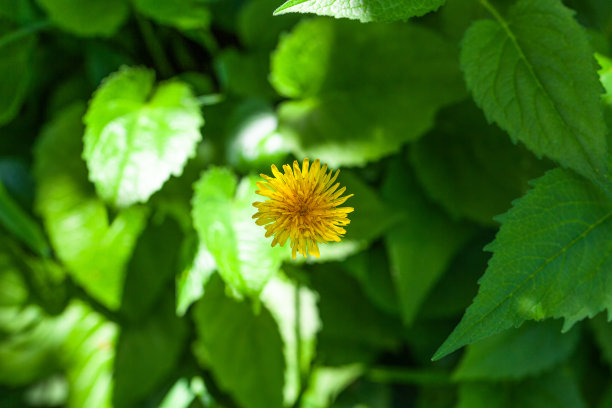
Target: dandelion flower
[302, 206]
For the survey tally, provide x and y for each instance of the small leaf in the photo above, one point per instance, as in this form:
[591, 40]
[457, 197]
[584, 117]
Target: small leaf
[555, 390]
[422, 245]
[550, 258]
[135, 138]
[534, 75]
[87, 18]
[515, 354]
[243, 350]
[94, 250]
[365, 11]
[338, 72]
[245, 258]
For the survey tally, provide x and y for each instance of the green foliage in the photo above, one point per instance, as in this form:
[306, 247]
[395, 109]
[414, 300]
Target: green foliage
[244, 259]
[513, 354]
[555, 230]
[132, 273]
[91, 18]
[243, 349]
[421, 246]
[508, 62]
[94, 249]
[15, 69]
[366, 11]
[332, 70]
[557, 389]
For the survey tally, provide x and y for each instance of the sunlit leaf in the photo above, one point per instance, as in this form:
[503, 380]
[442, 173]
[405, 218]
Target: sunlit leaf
[137, 137]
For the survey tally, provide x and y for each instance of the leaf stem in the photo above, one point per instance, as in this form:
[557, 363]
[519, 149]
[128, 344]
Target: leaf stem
[155, 48]
[408, 376]
[24, 32]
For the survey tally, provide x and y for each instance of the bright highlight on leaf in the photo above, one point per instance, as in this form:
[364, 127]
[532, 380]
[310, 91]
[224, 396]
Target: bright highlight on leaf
[302, 206]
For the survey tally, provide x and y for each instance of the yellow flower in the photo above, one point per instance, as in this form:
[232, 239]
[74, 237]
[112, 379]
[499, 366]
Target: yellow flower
[302, 206]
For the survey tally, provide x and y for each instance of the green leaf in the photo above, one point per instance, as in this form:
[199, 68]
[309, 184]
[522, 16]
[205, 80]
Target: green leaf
[152, 268]
[534, 75]
[455, 290]
[294, 310]
[245, 258]
[555, 390]
[373, 216]
[602, 329]
[244, 73]
[471, 168]
[371, 269]
[242, 349]
[422, 245]
[147, 353]
[258, 28]
[193, 277]
[366, 11]
[339, 72]
[136, 138]
[327, 382]
[353, 330]
[182, 14]
[550, 258]
[515, 354]
[88, 353]
[94, 249]
[605, 76]
[87, 18]
[15, 71]
[19, 223]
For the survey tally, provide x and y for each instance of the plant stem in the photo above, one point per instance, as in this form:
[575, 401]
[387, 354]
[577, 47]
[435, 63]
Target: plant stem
[155, 48]
[409, 376]
[24, 32]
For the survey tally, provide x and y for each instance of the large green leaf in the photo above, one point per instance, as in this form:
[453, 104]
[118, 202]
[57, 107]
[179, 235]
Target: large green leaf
[365, 11]
[551, 258]
[154, 264]
[147, 353]
[94, 249]
[87, 18]
[242, 349]
[361, 91]
[245, 258]
[533, 73]
[531, 349]
[555, 390]
[15, 71]
[471, 168]
[353, 330]
[182, 14]
[421, 246]
[136, 138]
